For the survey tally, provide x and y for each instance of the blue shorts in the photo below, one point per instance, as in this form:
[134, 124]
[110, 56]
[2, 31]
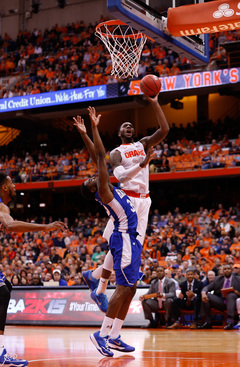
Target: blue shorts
[126, 251]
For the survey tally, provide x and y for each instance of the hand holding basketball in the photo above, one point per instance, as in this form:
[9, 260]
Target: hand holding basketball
[150, 85]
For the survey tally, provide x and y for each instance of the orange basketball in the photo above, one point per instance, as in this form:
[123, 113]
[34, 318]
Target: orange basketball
[150, 85]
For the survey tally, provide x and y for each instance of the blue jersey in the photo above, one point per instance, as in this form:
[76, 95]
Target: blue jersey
[2, 277]
[121, 211]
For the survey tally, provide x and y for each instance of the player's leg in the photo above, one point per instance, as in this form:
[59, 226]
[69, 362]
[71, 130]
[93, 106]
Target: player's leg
[91, 277]
[126, 276]
[114, 341]
[127, 258]
[142, 207]
[5, 358]
[97, 279]
[100, 338]
[100, 276]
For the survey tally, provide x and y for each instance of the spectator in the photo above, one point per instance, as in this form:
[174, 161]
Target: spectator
[236, 269]
[97, 254]
[54, 258]
[221, 300]
[77, 280]
[23, 281]
[188, 299]
[36, 280]
[57, 277]
[210, 278]
[168, 274]
[112, 279]
[165, 287]
[16, 280]
[179, 277]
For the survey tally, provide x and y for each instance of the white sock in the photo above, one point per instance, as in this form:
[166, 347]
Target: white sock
[238, 307]
[106, 326]
[1, 342]
[96, 273]
[108, 262]
[102, 286]
[117, 325]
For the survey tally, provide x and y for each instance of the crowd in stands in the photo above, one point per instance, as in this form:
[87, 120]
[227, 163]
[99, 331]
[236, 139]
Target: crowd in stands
[171, 155]
[204, 240]
[187, 155]
[72, 56]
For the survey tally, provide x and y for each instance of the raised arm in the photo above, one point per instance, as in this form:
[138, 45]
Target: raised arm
[163, 130]
[104, 190]
[79, 123]
[12, 225]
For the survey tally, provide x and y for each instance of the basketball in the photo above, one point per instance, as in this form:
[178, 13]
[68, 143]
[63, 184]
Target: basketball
[150, 85]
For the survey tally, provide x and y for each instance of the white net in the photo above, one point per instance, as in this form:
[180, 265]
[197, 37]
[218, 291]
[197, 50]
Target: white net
[124, 45]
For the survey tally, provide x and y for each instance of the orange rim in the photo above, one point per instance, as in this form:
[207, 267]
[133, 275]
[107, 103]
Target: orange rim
[118, 22]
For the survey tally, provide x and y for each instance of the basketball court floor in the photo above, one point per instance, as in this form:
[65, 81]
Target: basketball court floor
[71, 347]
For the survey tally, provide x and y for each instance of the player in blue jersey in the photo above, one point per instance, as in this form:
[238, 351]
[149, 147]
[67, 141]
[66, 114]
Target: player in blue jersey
[7, 193]
[126, 161]
[124, 246]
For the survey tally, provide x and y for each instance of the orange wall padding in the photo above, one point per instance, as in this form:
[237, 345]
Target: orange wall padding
[166, 176]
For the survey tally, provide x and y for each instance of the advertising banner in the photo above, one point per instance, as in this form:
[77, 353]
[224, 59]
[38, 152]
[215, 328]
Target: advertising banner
[207, 17]
[192, 80]
[53, 98]
[187, 81]
[64, 306]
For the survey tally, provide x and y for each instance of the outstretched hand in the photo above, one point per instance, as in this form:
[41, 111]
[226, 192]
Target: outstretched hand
[79, 123]
[95, 119]
[56, 226]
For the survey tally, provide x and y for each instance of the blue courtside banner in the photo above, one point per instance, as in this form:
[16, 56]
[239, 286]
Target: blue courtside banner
[53, 98]
[186, 81]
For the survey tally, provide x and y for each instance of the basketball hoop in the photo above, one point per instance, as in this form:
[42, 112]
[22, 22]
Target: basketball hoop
[125, 46]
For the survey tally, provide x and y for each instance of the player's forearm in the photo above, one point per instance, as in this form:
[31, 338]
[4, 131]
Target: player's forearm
[18, 226]
[162, 121]
[90, 146]
[124, 175]
[98, 144]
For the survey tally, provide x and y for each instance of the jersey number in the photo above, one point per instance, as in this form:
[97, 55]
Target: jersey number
[131, 205]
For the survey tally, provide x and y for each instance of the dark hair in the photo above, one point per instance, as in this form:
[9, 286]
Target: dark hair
[196, 271]
[18, 278]
[86, 192]
[190, 270]
[3, 177]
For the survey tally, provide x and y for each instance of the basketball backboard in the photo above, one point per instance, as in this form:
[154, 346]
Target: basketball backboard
[147, 17]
